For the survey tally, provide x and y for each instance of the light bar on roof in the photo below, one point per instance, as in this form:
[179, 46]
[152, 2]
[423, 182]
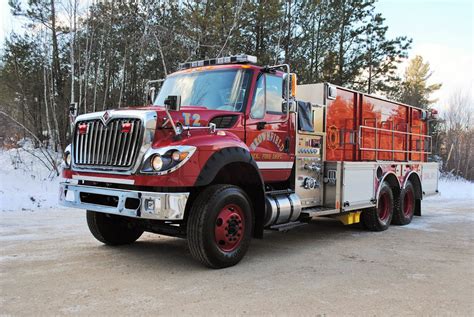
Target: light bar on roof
[241, 58]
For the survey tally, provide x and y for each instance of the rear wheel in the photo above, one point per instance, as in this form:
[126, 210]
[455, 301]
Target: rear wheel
[111, 229]
[379, 218]
[219, 226]
[405, 205]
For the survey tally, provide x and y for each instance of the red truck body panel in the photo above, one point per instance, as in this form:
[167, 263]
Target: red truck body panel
[354, 115]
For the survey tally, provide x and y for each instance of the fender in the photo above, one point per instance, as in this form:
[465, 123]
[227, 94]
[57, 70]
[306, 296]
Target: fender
[384, 177]
[236, 166]
[407, 176]
[416, 181]
[223, 157]
[418, 189]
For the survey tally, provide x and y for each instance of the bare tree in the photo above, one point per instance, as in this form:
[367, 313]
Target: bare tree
[459, 135]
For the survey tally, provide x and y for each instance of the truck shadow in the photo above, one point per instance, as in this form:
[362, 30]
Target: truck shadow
[166, 253]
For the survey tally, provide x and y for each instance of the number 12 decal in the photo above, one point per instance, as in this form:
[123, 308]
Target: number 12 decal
[195, 117]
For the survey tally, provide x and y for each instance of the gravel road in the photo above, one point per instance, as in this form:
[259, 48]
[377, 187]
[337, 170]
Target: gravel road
[51, 265]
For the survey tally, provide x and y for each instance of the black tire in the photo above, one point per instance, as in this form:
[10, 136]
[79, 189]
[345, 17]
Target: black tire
[404, 205]
[111, 229]
[207, 222]
[379, 218]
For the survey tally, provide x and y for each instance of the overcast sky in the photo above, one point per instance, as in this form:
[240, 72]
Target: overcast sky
[442, 32]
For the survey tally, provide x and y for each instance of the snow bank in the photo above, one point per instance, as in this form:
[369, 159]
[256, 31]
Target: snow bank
[25, 183]
[452, 188]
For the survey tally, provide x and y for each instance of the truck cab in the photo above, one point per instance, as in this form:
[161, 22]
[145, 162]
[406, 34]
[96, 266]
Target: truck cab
[223, 151]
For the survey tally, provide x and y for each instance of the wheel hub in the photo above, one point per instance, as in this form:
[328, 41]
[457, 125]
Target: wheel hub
[229, 227]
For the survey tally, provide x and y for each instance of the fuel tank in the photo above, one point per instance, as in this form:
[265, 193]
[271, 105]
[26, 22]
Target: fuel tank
[282, 208]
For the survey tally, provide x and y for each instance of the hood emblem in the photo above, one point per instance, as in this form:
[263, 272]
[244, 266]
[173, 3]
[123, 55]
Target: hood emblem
[105, 117]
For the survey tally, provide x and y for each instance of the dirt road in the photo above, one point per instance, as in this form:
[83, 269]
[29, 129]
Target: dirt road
[50, 264]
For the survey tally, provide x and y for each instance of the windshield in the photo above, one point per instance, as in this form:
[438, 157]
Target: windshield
[217, 90]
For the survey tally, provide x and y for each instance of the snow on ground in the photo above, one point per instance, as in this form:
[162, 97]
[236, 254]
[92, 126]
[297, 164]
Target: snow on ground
[26, 184]
[452, 188]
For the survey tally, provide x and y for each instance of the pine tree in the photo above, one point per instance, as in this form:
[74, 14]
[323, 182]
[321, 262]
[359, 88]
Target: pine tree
[415, 89]
[381, 59]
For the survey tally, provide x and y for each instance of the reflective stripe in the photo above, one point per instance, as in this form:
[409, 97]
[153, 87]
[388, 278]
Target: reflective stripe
[104, 179]
[274, 165]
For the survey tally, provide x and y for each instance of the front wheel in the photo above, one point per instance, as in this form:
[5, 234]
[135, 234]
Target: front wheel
[111, 229]
[219, 226]
[379, 218]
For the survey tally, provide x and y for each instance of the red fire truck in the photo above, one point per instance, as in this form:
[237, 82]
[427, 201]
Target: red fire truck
[228, 149]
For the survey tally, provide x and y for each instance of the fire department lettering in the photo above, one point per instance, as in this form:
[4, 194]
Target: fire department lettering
[267, 136]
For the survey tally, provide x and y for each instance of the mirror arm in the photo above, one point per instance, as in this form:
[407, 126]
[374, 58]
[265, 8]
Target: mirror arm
[171, 121]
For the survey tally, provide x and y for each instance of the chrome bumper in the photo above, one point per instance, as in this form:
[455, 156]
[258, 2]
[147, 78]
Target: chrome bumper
[149, 205]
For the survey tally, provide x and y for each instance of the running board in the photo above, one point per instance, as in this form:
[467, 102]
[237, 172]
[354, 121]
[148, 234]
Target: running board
[287, 226]
[320, 211]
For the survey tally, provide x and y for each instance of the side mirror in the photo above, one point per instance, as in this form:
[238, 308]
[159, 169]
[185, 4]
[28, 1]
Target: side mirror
[151, 95]
[173, 103]
[73, 109]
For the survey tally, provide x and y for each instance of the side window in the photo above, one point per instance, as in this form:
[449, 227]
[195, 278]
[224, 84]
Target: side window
[274, 93]
[258, 105]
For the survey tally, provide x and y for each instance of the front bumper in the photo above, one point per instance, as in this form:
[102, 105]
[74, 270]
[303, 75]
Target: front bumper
[129, 203]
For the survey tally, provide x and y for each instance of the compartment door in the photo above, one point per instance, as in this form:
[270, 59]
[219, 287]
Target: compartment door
[358, 185]
[429, 178]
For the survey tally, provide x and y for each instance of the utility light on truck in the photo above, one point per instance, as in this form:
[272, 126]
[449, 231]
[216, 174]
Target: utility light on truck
[241, 58]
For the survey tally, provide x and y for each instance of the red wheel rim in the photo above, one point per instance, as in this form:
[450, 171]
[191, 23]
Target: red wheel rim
[408, 203]
[384, 207]
[229, 227]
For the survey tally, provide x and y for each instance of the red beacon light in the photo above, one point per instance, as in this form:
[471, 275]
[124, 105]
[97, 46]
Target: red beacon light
[82, 128]
[126, 127]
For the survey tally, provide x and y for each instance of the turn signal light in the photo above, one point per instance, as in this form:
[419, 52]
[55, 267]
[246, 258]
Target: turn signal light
[293, 85]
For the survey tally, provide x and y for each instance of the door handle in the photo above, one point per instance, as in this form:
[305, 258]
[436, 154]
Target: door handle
[261, 125]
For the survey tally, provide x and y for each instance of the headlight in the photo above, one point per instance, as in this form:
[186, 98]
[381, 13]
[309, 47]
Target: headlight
[68, 159]
[176, 155]
[166, 160]
[157, 162]
[67, 156]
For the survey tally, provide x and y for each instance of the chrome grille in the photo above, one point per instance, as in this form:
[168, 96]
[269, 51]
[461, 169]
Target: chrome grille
[107, 146]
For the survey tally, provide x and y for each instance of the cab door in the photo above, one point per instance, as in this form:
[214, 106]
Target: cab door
[267, 129]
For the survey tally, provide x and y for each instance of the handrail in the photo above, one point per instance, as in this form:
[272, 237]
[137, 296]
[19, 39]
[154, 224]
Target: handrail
[377, 149]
